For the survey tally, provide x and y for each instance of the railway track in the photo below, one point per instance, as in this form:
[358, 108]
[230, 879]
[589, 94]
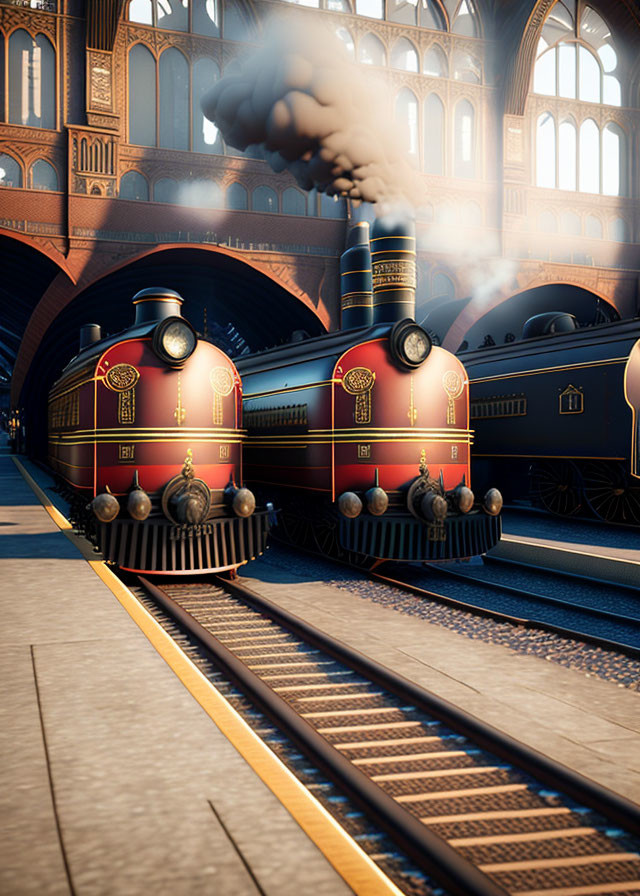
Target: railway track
[480, 813]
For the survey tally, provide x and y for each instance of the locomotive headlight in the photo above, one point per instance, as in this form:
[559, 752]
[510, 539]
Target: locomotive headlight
[409, 343]
[174, 340]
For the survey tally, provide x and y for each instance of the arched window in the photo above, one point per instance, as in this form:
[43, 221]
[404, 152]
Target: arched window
[134, 186]
[571, 224]
[614, 161]
[264, 199]
[141, 11]
[173, 14]
[435, 63]
[293, 202]
[371, 51]
[402, 11]
[373, 9]
[576, 57]
[332, 207]
[464, 140]
[206, 137]
[404, 55]
[433, 141]
[407, 121]
[619, 230]
[199, 194]
[43, 176]
[165, 190]
[235, 25]
[589, 157]
[10, 172]
[593, 227]
[567, 157]
[547, 222]
[463, 19]
[430, 16]
[237, 198]
[546, 151]
[205, 17]
[466, 68]
[174, 100]
[32, 80]
[142, 96]
[345, 36]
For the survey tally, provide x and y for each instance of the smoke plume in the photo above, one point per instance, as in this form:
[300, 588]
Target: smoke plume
[307, 106]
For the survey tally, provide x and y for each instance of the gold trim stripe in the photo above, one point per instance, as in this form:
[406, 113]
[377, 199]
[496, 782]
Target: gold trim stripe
[508, 376]
[348, 859]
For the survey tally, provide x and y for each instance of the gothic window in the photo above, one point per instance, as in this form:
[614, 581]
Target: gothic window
[141, 11]
[547, 222]
[593, 227]
[332, 206]
[464, 140]
[43, 176]
[142, 96]
[234, 23]
[373, 9]
[404, 55]
[546, 151]
[567, 158]
[466, 68]
[371, 51]
[206, 137]
[10, 172]
[205, 17]
[345, 36]
[165, 190]
[589, 160]
[430, 16]
[237, 198]
[173, 14]
[463, 18]
[614, 161]
[133, 186]
[402, 11]
[199, 194]
[570, 223]
[293, 202]
[619, 230]
[434, 135]
[435, 63]
[264, 199]
[407, 121]
[174, 100]
[32, 80]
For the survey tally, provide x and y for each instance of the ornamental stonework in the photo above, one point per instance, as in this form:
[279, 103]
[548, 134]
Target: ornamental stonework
[99, 73]
[12, 16]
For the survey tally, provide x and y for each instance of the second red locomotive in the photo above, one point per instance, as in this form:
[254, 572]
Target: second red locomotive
[364, 432]
[146, 427]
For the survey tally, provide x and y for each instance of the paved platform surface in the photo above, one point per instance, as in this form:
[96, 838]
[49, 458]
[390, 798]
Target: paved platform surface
[113, 780]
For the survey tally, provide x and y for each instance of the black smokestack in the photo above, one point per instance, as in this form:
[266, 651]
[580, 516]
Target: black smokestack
[393, 259]
[310, 110]
[356, 308]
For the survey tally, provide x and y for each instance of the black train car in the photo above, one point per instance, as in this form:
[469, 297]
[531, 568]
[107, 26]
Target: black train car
[557, 416]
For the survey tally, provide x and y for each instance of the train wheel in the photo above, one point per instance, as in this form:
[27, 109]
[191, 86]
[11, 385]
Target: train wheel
[611, 493]
[556, 486]
[325, 537]
[294, 530]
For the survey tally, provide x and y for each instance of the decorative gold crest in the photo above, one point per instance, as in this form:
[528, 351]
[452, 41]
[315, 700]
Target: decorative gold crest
[221, 380]
[359, 382]
[571, 401]
[453, 385]
[122, 379]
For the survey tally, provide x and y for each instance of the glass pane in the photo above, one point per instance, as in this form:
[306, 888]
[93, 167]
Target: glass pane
[547, 222]
[294, 202]
[464, 140]
[338, 6]
[347, 40]
[571, 223]
[430, 16]
[464, 22]
[612, 92]
[204, 15]
[237, 197]
[264, 199]
[31, 81]
[544, 76]
[567, 157]
[173, 14]
[404, 56]
[141, 11]
[407, 121]
[402, 11]
[206, 137]
[593, 28]
[619, 230]
[589, 157]
[133, 186]
[332, 207]
[466, 68]
[608, 57]
[174, 100]
[434, 135]
[142, 96]
[614, 161]
[235, 25]
[43, 176]
[374, 9]
[199, 194]
[546, 151]
[567, 70]
[10, 172]
[165, 190]
[372, 50]
[589, 77]
[435, 63]
[593, 227]
[559, 23]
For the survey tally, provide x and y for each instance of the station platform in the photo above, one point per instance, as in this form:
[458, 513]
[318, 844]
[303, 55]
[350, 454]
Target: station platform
[115, 780]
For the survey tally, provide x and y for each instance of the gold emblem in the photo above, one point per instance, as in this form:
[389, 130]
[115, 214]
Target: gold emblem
[571, 401]
[453, 385]
[221, 380]
[122, 379]
[359, 382]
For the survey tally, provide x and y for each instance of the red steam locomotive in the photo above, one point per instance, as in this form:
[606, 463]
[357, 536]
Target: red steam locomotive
[145, 425]
[363, 435]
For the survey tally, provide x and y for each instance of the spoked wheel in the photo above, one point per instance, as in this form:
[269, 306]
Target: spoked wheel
[555, 484]
[325, 536]
[611, 493]
[294, 530]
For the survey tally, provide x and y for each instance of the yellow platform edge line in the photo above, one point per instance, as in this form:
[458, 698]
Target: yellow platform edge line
[351, 863]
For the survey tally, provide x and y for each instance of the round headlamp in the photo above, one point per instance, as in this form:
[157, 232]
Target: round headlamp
[409, 343]
[174, 340]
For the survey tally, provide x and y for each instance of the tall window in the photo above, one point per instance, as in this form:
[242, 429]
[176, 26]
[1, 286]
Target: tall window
[10, 172]
[174, 100]
[198, 16]
[404, 55]
[142, 96]
[32, 80]
[433, 135]
[206, 137]
[264, 199]
[43, 176]
[407, 120]
[464, 140]
[371, 51]
[133, 186]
